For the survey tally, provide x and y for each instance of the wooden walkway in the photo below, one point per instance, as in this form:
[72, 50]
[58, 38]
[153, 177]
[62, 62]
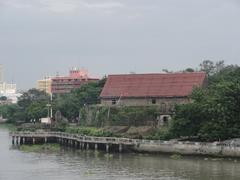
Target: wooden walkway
[73, 140]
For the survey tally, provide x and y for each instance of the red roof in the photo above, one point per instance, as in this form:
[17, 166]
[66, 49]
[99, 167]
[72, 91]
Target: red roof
[152, 85]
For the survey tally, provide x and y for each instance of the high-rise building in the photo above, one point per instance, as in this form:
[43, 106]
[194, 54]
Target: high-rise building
[45, 85]
[65, 84]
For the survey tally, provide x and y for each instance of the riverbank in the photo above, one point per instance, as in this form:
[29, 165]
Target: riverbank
[230, 148]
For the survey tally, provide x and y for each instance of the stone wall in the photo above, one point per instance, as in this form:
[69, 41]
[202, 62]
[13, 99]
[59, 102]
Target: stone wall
[165, 103]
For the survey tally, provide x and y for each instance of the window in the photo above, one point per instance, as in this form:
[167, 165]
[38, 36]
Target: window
[114, 101]
[154, 101]
[163, 107]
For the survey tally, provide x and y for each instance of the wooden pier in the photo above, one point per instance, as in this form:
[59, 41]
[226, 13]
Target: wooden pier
[72, 140]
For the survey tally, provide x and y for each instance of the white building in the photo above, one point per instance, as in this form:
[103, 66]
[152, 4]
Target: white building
[9, 91]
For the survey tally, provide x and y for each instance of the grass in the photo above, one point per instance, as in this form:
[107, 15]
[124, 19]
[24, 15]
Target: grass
[41, 148]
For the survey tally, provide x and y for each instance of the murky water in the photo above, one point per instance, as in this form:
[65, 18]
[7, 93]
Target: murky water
[88, 165]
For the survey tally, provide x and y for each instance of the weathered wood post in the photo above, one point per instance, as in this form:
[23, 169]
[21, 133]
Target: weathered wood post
[17, 140]
[45, 140]
[120, 148]
[96, 147]
[13, 140]
[87, 147]
[34, 140]
[23, 140]
[107, 148]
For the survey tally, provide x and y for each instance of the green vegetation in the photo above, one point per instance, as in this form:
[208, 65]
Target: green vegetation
[41, 148]
[214, 112]
[70, 104]
[159, 134]
[176, 156]
[89, 131]
[118, 116]
[31, 105]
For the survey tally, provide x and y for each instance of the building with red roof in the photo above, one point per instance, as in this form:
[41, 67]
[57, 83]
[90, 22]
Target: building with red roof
[164, 90]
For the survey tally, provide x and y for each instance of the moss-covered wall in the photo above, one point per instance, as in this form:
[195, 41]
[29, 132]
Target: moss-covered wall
[119, 116]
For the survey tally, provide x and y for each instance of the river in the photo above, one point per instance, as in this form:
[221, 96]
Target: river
[89, 165]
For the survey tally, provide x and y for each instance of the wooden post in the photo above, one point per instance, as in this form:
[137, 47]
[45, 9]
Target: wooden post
[13, 140]
[45, 140]
[17, 138]
[23, 140]
[107, 148]
[120, 148]
[34, 140]
[96, 147]
[87, 147]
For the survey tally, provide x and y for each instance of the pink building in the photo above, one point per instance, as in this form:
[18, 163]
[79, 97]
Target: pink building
[65, 84]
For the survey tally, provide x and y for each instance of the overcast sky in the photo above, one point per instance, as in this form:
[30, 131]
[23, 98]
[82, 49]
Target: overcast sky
[42, 37]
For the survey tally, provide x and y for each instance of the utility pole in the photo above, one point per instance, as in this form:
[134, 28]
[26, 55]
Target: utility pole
[51, 109]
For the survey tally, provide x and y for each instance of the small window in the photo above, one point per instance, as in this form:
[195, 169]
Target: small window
[154, 101]
[163, 107]
[114, 101]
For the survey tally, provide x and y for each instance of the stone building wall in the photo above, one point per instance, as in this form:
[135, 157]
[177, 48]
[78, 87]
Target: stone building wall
[165, 103]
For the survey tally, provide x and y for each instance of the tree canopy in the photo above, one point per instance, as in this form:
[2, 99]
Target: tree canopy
[214, 113]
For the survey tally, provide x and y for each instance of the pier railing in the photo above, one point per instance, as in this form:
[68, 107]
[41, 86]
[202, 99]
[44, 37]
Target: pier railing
[75, 137]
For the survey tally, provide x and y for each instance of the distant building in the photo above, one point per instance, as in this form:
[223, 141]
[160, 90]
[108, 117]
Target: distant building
[10, 92]
[45, 85]
[65, 84]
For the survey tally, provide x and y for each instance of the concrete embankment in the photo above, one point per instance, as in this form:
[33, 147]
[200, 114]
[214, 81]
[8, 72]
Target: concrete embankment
[224, 149]
[230, 148]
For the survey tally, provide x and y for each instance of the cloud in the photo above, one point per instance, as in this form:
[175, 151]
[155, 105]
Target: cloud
[104, 5]
[15, 4]
[59, 6]
[63, 6]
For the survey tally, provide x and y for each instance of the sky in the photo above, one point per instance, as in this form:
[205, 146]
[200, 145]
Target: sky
[45, 37]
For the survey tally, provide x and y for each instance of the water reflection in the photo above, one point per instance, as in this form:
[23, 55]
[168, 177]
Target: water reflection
[86, 165]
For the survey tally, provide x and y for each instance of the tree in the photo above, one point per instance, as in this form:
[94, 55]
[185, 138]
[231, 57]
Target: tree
[210, 67]
[3, 98]
[214, 112]
[88, 94]
[31, 105]
[189, 70]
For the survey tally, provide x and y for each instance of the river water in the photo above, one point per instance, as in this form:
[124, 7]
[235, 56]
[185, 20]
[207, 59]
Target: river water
[89, 165]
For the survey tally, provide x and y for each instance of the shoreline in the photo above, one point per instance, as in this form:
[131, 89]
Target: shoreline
[215, 149]
[230, 148]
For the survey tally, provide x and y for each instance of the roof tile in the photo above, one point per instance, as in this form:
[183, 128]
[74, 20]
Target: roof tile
[152, 85]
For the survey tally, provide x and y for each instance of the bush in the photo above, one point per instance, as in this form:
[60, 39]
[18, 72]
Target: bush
[89, 131]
